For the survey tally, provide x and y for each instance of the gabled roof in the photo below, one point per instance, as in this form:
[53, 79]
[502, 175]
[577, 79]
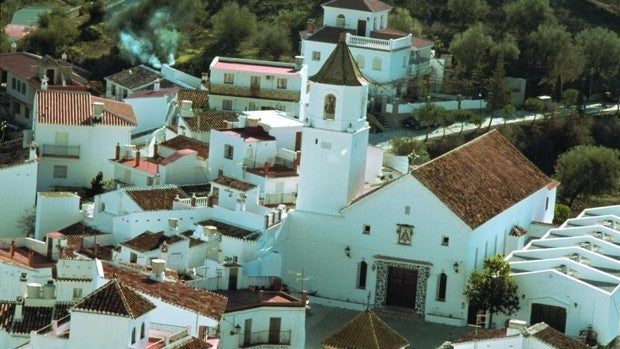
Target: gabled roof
[178, 294]
[176, 156]
[555, 338]
[182, 142]
[326, 34]
[248, 299]
[76, 108]
[153, 198]
[198, 97]
[366, 331]
[340, 69]
[360, 5]
[481, 178]
[149, 241]
[115, 299]
[204, 121]
[19, 64]
[134, 77]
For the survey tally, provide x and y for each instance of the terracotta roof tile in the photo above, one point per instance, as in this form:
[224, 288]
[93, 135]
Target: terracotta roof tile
[360, 5]
[420, 42]
[556, 338]
[200, 189]
[340, 69]
[176, 156]
[80, 229]
[481, 178]
[247, 299]
[387, 33]
[198, 97]
[210, 119]
[33, 318]
[195, 343]
[20, 64]
[481, 334]
[12, 153]
[199, 301]
[114, 298]
[148, 241]
[366, 331]
[183, 142]
[150, 93]
[326, 34]
[234, 183]
[75, 108]
[134, 77]
[153, 199]
[231, 230]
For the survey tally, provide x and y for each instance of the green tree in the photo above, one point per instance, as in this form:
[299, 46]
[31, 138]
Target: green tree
[561, 213]
[534, 105]
[271, 43]
[508, 111]
[26, 221]
[96, 184]
[493, 289]
[410, 147]
[588, 170]
[462, 116]
[400, 19]
[507, 47]
[470, 49]
[446, 120]
[570, 97]
[53, 36]
[603, 52]
[524, 16]
[428, 115]
[499, 94]
[467, 11]
[231, 25]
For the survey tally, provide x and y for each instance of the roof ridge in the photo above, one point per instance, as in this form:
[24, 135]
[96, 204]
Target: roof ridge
[123, 298]
[373, 328]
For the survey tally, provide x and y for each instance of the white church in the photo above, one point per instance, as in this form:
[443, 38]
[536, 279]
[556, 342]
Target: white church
[360, 237]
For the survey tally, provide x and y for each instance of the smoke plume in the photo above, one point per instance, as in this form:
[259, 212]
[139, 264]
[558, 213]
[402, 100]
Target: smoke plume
[150, 30]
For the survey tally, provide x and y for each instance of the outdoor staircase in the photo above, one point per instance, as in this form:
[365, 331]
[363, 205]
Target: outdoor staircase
[378, 121]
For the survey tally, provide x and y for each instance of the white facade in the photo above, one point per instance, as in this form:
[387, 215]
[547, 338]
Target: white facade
[578, 264]
[243, 84]
[56, 210]
[18, 195]
[152, 108]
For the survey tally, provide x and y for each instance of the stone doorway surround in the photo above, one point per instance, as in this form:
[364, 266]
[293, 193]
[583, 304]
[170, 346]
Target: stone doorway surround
[383, 263]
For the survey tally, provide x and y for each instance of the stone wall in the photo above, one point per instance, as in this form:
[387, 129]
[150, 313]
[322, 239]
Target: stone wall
[382, 283]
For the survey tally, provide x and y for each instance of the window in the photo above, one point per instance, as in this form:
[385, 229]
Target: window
[133, 335]
[405, 62]
[60, 171]
[329, 107]
[360, 61]
[102, 207]
[366, 229]
[316, 55]
[340, 21]
[445, 240]
[376, 63]
[142, 334]
[252, 106]
[362, 270]
[227, 104]
[407, 210]
[28, 116]
[546, 204]
[77, 293]
[23, 88]
[228, 151]
[281, 83]
[405, 233]
[440, 294]
[133, 258]
[13, 83]
[229, 78]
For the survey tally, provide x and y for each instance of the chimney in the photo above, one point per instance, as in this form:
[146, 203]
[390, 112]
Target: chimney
[12, 249]
[156, 85]
[515, 327]
[13, 47]
[23, 285]
[310, 26]
[137, 158]
[117, 153]
[158, 267]
[44, 81]
[266, 168]
[155, 149]
[97, 111]
[19, 309]
[32, 156]
[31, 258]
[193, 200]
[96, 250]
[304, 298]
[61, 253]
[186, 109]
[299, 62]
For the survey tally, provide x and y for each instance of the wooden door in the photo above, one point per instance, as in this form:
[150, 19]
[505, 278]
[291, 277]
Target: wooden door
[274, 330]
[361, 27]
[402, 287]
[247, 332]
[232, 278]
[552, 315]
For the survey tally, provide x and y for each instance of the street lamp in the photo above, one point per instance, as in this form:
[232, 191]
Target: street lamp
[480, 107]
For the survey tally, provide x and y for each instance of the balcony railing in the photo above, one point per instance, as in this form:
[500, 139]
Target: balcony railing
[379, 44]
[265, 93]
[265, 339]
[61, 151]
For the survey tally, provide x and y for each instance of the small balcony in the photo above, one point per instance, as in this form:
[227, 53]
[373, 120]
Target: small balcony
[378, 44]
[266, 340]
[263, 93]
[61, 151]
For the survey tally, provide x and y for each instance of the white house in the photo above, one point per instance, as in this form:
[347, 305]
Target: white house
[24, 74]
[386, 57]
[152, 108]
[77, 133]
[18, 170]
[517, 335]
[579, 265]
[246, 84]
[263, 318]
[409, 242]
[123, 84]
